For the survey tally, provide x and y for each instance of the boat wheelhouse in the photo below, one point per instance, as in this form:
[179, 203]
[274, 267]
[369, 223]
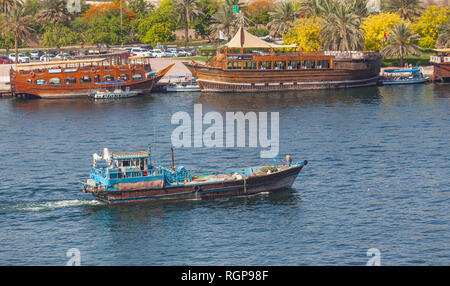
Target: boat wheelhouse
[441, 65]
[119, 177]
[248, 64]
[59, 79]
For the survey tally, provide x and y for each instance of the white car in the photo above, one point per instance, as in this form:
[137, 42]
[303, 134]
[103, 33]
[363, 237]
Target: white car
[21, 58]
[172, 53]
[140, 52]
[157, 53]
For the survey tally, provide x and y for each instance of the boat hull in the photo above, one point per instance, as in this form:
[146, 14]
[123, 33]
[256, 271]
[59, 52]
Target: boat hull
[345, 74]
[397, 82]
[193, 191]
[441, 71]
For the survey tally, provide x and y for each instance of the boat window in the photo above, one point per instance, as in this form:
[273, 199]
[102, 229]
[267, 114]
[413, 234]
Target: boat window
[70, 80]
[29, 80]
[85, 79]
[55, 81]
[279, 65]
[123, 77]
[107, 78]
[40, 81]
[137, 76]
[126, 163]
[230, 65]
[96, 78]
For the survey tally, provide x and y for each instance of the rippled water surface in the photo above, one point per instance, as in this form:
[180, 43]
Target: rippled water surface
[378, 177]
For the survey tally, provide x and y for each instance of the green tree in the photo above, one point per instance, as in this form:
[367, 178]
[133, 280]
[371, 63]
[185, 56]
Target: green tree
[340, 30]
[282, 17]
[7, 5]
[141, 8]
[159, 25]
[401, 42]
[54, 11]
[16, 22]
[407, 9]
[188, 11]
[225, 20]
[58, 35]
[203, 24]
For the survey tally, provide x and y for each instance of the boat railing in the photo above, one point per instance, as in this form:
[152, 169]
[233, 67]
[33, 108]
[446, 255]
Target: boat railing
[439, 59]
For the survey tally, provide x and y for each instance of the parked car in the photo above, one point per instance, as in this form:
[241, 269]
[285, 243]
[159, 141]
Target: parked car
[184, 53]
[21, 58]
[167, 54]
[156, 53]
[36, 55]
[5, 60]
[140, 52]
[48, 57]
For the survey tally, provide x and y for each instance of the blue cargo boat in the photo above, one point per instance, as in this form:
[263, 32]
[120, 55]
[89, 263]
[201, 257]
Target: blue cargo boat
[120, 177]
[412, 75]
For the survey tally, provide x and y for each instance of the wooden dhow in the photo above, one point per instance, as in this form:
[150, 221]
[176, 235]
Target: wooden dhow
[257, 67]
[441, 65]
[61, 79]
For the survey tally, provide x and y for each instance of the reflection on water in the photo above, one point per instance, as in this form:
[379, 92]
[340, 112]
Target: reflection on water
[377, 177]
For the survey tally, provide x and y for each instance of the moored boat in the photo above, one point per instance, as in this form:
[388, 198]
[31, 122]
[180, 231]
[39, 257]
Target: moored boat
[441, 65]
[412, 75]
[114, 94]
[123, 177]
[189, 85]
[256, 67]
[62, 79]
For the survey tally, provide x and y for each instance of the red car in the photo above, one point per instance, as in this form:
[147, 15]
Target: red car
[5, 60]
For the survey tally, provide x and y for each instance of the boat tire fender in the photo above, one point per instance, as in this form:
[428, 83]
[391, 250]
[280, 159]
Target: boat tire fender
[197, 188]
[92, 69]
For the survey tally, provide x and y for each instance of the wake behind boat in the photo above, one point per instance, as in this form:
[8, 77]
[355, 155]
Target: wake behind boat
[125, 177]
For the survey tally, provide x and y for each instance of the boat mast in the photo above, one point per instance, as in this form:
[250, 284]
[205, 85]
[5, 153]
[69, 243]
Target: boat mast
[173, 162]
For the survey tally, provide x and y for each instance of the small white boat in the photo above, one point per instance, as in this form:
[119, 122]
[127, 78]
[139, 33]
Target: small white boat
[190, 85]
[116, 93]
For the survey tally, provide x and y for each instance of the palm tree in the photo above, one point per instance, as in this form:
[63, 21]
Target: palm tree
[401, 42]
[407, 9]
[55, 11]
[283, 17]
[5, 5]
[225, 20]
[314, 8]
[443, 40]
[188, 10]
[359, 7]
[340, 30]
[16, 22]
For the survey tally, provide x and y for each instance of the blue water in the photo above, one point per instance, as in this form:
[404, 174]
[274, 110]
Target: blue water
[378, 177]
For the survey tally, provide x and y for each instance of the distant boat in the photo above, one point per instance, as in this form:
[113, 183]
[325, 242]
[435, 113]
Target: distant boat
[190, 85]
[123, 177]
[114, 94]
[412, 75]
